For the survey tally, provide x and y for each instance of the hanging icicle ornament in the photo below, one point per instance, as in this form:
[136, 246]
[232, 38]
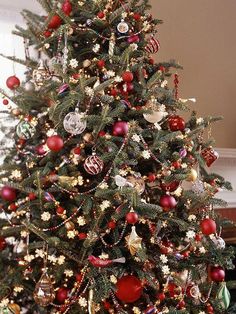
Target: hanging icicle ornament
[65, 52]
[44, 291]
[153, 45]
[134, 242]
[75, 122]
[93, 164]
[112, 44]
[25, 130]
[223, 296]
[41, 75]
[91, 304]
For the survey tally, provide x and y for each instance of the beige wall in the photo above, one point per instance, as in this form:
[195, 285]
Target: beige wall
[201, 35]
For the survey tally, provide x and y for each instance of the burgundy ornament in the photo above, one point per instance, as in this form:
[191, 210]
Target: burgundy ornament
[133, 39]
[176, 123]
[55, 22]
[93, 164]
[120, 128]
[153, 45]
[208, 226]
[55, 143]
[67, 7]
[13, 82]
[209, 155]
[129, 289]
[3, 244]
[132, 218]
[40, 150]
[8, 193]
[62, 295]
[217, 274]
[171, 187]
[168, 202]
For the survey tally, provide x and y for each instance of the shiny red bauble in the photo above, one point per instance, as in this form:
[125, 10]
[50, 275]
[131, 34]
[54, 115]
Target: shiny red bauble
[3, 244]
[55, 143]
[55, 22]
[168, 202]
[111, 224]
[176, 123]
[171, 187]
[13, 82]
[217, 274]
[101, 15]
[131, 218]
[208, 226]
[136, 16]
[8, 193]
[129, 289]
[60, 210]
[62, 295]
[127, 76]
[5, 102]
[120, 128]
[151, 177]
[101, 63]
[67, 7]
[32, 196]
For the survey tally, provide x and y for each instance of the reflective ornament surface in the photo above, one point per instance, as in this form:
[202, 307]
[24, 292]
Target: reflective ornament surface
[123, 27]
[44, 291]
[40, 75]
[74, 123]
[25, 130]
[93, 164]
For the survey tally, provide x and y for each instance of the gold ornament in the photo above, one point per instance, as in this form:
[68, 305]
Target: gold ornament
[44, 292]
[91, 305]
[134, 242]
[192, 175]
[40, 75]
[14, 308]
[86, 63]
[137, 182]
[88, 137]
[70, 225]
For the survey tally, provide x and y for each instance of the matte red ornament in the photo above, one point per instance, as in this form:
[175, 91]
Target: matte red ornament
[101, 15]
[3, 244]
[55, 22]
[168, 202]
[171, 187]
[208, 226]
[217, 274]
[101, 63]
[129, 289]
[209, 155]
[32, 196]
[111, 224]
[5, 102]
[151, 177]
[132, 218]
[93, 164]
[120, 128]
[47, 33]
[136, 16]
[176, 123]
[127, 76]
[8, 193]
[55, 143]
[13, 82]
[62, 295]
[67, 7]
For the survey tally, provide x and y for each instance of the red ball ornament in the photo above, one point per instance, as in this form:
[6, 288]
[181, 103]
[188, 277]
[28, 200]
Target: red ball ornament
[101, 15]
[151, 177]
[113, 92]
[136, 16]
[111, 224]
[131, 218]
[47, 33]
[102, 133]
[8, 193]
[107, 305]
[55, 22]
[82, 235]
[171, 187]
[77, 150]
[133, 39]
[93, 164]
[208, 226]
[217, 274]
[62, 295]
[3, 244]
[12, 207]
[67, 7]
[120, 128]
[55, 143]
[129, 289]
[176, 123]
[32, 196]
[13, 82]
[60, 210]
[101, 63]
[181, 305]
[168, 202]
[127, 76]
[5, 102]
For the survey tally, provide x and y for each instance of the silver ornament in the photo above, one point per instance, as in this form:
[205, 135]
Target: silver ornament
[25, 130]
[198, 187]
[123, 27]
[219, 243]
[29, 86]
[74, 123]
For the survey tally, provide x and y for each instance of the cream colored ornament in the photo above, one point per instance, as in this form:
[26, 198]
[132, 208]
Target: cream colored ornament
[86, 63]
[192, 175]
[134, 242]
[157, 113]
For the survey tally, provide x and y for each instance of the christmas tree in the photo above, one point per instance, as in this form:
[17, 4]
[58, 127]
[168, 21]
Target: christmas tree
[107, 199]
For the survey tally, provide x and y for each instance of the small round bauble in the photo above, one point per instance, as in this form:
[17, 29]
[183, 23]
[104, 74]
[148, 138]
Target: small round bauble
[171, 187]
[120, 128]
[132, 218]
[47, 33]
[123, 27]
[40, 150]
[217, 274]
[13, 82]
[74, 123]
[55, 143]
[176, 123]
[15, 308]
[219, 243]
[3, 244]
[55, 22]
[25, 130]
[93, 164]
[129, 289]
[101, 63]
[127, 76]
[67, 7]
[62, 295]
[192, 175]
[208, 226]
[101, 15]
[8, 193]
[167, 202]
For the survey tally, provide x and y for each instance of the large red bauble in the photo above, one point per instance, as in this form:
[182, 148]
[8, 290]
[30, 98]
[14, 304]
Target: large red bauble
[13, 82]
[3, 243]
[120, 128]
[167, 202]
[55, 22]
[62, 295]
[55, 143]
[217, 274]
[67, 7]
[132, 218]
[127, 76]
[129, 289]
[208, 226]
[171, 187]
[8, 193]
[176, 123]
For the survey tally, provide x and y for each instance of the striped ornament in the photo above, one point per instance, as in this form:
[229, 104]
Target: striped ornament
[93, 165]
[153, 46]
[223, 295]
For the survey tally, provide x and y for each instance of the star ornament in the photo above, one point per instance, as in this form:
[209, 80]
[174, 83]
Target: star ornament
[133, 241]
